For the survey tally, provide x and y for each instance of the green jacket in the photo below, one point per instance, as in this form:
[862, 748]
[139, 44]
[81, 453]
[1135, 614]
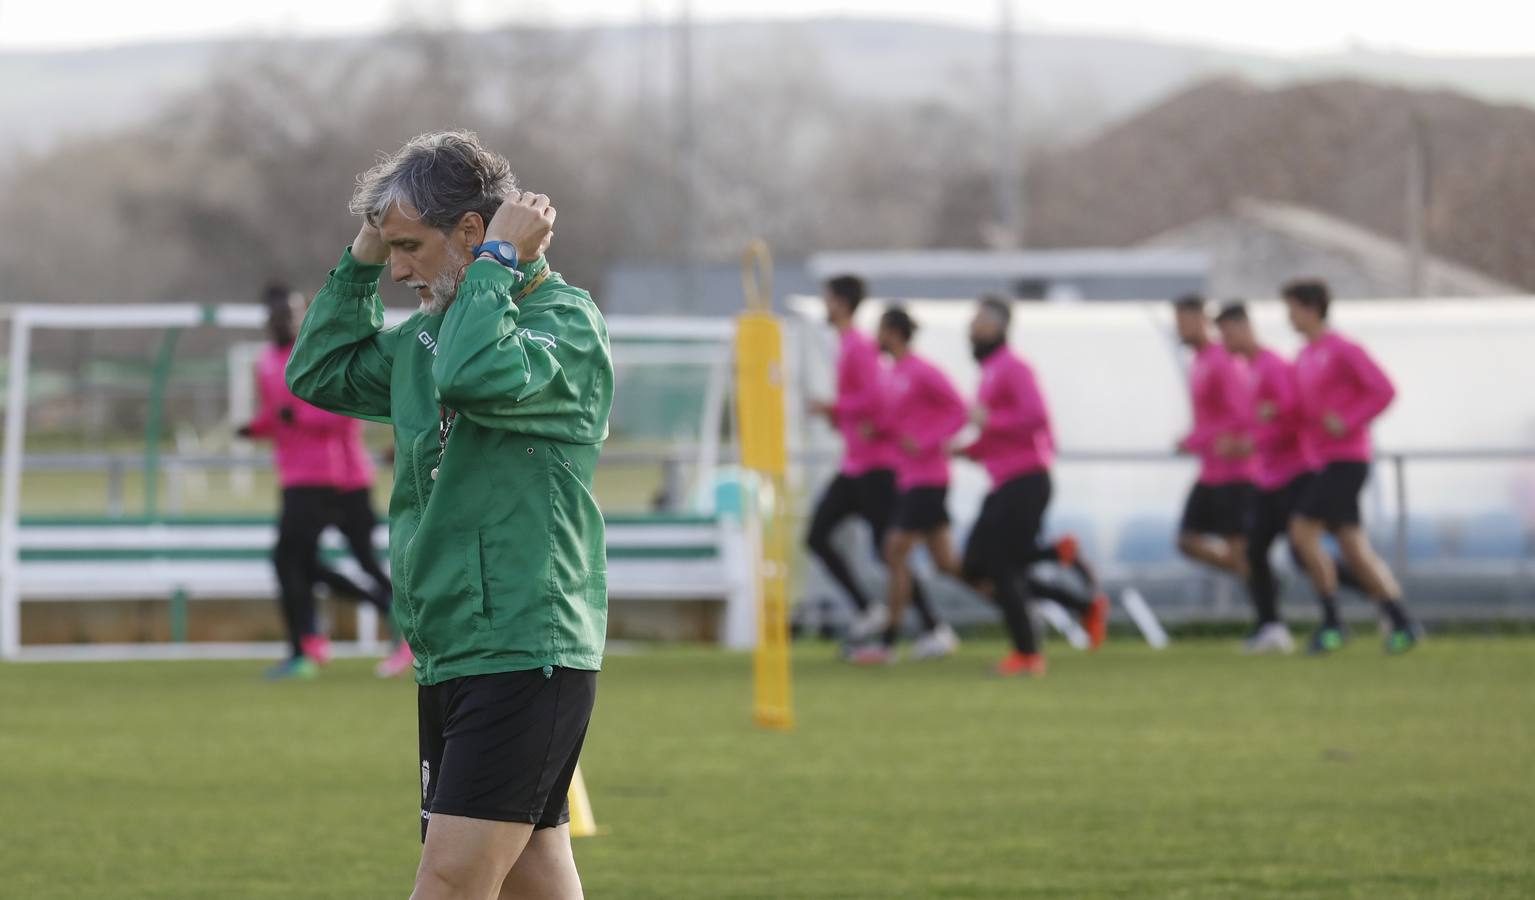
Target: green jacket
[500, 562]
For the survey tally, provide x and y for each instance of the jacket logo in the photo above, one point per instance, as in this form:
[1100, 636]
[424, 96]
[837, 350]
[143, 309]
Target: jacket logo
[541, 338]
[428, 342]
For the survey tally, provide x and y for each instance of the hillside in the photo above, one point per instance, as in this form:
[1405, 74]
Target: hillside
[1338, 146]
[1070, 85]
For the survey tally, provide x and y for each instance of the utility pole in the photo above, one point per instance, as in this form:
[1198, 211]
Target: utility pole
[1417, 206]
[687, 159]
[1008, 180]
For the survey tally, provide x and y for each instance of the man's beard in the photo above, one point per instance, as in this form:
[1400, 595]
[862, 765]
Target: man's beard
[981, 350]
[444, 287]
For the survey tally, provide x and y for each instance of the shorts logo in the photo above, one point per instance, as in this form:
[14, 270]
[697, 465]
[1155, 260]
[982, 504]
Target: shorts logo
[426, 777]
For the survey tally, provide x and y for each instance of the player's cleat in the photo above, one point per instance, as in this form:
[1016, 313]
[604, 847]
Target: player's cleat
[317, 648]
[936, 644]
[396, 663]
[1096, 621]
[299, 668]
[869, 623]
[1326, 639]
[1029, 665]
[1273, 637]
[1401, 640]
[1067, 551]
[871, 655]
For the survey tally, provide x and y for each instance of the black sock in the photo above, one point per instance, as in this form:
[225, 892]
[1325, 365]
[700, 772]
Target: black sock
[1329, 611]
[924, 606]
[1397, 614]
[890, 635]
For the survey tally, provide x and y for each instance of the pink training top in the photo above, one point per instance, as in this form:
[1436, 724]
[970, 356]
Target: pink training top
[1221, 390]
[1280, 455]
[924, 411]
[1335, 376]
[859, 411]
[1016, 438]
[315, 449]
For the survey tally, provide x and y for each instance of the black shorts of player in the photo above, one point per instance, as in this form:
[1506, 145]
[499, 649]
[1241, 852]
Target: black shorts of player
[1224, 510]
[1272, 511]
[1008, 528]
[503, 747]
[922, 509]
[1332, 496]
[870, 496]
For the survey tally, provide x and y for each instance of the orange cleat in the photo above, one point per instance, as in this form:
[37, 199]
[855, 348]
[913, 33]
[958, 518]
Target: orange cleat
[1021, 664]
[1096, 621]
[1066, 548]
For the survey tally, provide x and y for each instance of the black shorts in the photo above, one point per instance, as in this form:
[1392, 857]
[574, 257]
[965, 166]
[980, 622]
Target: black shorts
[1224, 510]
[503, 747]
[922, 509]
[1332, 497]
[1007, 531]
[870, 496]
[1272, 511]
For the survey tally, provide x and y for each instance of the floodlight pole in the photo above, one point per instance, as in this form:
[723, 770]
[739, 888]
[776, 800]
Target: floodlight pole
[1009, 172]
[687, 157]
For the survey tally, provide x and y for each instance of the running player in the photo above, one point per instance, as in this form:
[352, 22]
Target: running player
[1282, 471]
[1016, 446]
[1341, 391]
[313, 456]
[1215, 518]
[926, 413]
[865, 483]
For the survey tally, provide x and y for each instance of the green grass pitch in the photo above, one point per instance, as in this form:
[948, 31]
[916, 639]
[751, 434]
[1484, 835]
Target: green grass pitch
[1187, 773]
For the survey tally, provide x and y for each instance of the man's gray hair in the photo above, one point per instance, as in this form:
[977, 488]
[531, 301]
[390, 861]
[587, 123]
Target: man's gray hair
[440, 174]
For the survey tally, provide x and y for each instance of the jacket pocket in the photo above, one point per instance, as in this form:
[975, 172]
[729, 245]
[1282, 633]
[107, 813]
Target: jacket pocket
[476, 591]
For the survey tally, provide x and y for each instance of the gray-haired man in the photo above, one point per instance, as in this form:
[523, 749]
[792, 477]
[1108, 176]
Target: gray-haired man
[499, 390]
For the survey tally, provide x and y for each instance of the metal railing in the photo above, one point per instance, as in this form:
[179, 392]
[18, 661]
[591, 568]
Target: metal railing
[118, 466]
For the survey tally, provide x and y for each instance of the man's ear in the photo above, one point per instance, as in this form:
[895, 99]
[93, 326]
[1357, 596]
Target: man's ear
[471, 230]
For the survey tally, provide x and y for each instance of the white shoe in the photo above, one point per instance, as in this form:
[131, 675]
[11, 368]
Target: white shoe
[870, 623]
[938, 643]
[1271, 638]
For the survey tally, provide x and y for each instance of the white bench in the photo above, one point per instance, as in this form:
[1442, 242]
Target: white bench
[190, 558]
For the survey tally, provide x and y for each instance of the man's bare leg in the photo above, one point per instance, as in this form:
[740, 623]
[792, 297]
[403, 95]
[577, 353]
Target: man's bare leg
[940, 546]
[1226, 554]
[1306, 539]
[468, 859]
[898, 546]
[1373, 572]
[546, 870]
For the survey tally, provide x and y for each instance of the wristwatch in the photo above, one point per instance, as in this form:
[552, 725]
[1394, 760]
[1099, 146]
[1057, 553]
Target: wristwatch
[503, 252]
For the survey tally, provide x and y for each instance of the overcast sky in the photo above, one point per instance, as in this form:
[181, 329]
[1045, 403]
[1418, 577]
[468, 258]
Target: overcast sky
[1482, 27]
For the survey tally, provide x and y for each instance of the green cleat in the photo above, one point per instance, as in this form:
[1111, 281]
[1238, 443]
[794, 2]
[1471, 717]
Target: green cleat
[1325, 640]
[1401, 640]
[299, 668]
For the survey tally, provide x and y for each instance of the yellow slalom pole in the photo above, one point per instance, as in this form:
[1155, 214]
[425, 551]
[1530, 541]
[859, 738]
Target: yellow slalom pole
[764, 452]
[582, 822]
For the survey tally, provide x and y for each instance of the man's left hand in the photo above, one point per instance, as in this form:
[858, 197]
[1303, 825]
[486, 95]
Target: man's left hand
[526, 221]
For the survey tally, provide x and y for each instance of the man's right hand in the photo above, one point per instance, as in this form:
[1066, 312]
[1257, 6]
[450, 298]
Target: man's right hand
[369, 247]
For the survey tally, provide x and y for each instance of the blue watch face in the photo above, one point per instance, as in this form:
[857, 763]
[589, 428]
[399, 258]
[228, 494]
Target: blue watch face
[504, 251]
